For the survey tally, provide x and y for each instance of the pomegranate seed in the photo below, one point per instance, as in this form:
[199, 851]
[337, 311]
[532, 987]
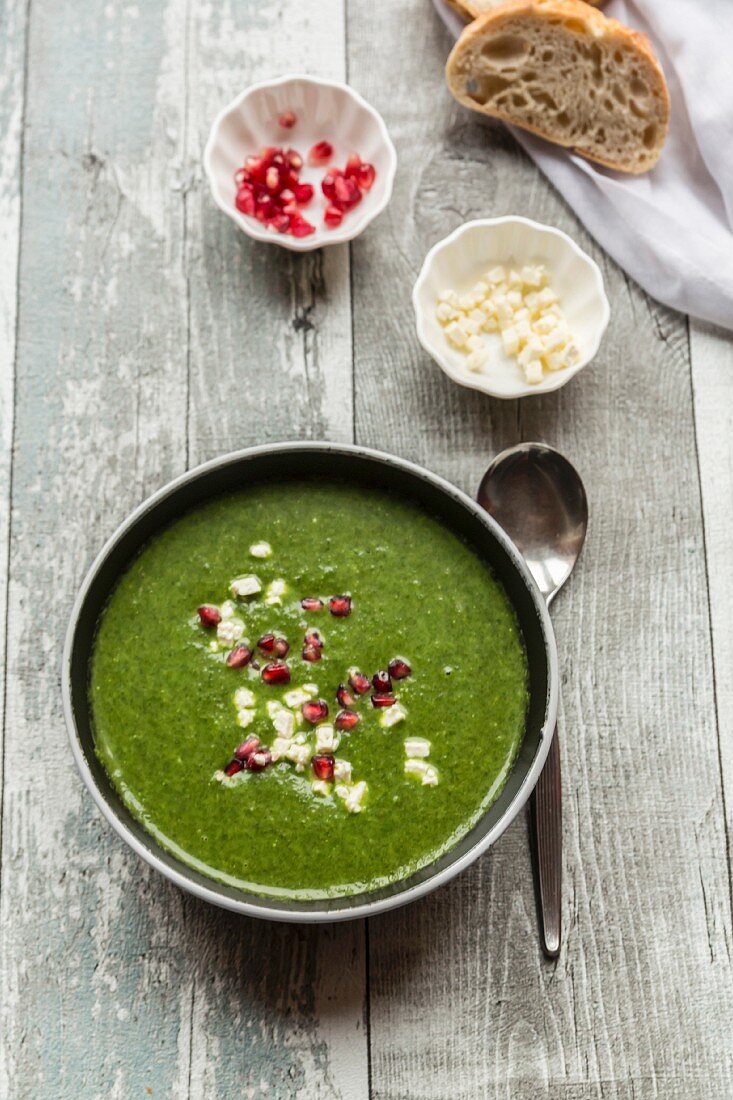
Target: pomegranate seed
[287, 197]
[328, 183]
[267, 643]
[347, 193]
[321, 153]
[340, 606]
[209, 615]
[353, 165]
[346, 720]
[294, 159]
[303, 193]
[312, 603]
[287, 120]
[314, 638]
[301, 228]
[399, 669]
[344, 696]
[359, 682]
[383, 699]
[323, 765]
[247, 748]
[277, 672]
[311, 653]
[282, 647]
[233, 767]
[315, 710]
[258, 761]
[333, 216]
[280, 223]
[381, 681]
[240, 656]
[366, 176]
[245, 201]
[272, 178]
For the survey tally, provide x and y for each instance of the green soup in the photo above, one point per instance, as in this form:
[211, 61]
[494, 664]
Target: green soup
[169, 712]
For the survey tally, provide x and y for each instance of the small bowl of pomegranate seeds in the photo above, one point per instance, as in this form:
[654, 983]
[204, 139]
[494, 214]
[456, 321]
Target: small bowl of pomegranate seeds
[300, 162]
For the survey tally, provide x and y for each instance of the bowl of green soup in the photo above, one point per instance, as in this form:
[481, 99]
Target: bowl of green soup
[309, 682]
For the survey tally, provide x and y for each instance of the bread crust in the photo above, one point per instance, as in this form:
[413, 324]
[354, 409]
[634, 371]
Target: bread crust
[596, 25]
[468, 9]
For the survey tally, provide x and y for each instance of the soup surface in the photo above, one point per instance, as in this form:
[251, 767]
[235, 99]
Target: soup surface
[320, 810]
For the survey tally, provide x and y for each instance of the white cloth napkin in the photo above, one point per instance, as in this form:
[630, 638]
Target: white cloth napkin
[671, 229]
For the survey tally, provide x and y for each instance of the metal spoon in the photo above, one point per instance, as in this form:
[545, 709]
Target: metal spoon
[538, 498]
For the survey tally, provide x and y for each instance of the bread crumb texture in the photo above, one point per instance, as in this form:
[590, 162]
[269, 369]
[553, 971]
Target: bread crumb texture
[562, 70]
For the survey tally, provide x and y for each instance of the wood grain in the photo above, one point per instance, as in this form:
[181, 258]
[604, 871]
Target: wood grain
[640, 1002]
[141, 347]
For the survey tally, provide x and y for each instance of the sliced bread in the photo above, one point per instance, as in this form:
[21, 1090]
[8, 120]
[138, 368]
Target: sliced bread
[471, 9]
[564, 71]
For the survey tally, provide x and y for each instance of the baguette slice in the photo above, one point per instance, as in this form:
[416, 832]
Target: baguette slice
[471, 9]
[562, 70]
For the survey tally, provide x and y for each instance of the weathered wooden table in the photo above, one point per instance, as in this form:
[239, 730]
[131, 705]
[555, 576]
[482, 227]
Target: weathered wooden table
[141, 333]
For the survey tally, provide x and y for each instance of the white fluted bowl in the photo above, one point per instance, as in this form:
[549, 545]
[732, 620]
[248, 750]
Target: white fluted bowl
[459, 261]
[326, 110]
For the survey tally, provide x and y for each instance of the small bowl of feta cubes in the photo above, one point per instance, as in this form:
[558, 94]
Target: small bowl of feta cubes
[510, 307]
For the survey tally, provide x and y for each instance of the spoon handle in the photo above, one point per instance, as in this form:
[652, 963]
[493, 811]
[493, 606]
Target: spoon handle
[546, 826]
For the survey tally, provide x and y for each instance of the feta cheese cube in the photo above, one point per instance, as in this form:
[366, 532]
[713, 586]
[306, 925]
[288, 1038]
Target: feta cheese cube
[514, 298]
[342, 771]
[476, 361]
[496, 275]
[245, 718]
[466, 302]
[248, 585]
[480, 290]
[522, 314]
[327, 740]
[284, 723]
[298, 696]
[243, 697]
[457, 333]
[523, 331]
[321, 787]
[491, 324]
[417, 747]
[312, 689]
[392, 715]
[533, 275]
[531, 301]
[448, 296]
[544, 324]
[472, 327]
[420, 769]
[260, 550]
[554, 361]
[477, 316]
[546, 297]
[300, 755]
[570, 355]
[514, 278]
[355, 799]
[430, 779]
[533, 371]
[446, 313]
[230, 631]
[510, 340]
[556, 339]
[227, 609]
[504, 309]
[475, 343]
[281, 745]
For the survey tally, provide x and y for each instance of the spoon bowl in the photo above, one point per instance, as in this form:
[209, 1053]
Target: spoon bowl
[537, 496]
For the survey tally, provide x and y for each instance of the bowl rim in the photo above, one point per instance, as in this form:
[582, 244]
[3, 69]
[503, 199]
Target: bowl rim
[483, 384]
[290, 912]
[252, 228]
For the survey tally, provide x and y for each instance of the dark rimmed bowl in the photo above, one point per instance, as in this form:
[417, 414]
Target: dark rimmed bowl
[375, 470]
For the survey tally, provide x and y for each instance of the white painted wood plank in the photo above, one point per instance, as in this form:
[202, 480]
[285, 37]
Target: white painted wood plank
[115, 983]
[641, 1002]
[712, 375]
[269, 358]
[13, 32]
